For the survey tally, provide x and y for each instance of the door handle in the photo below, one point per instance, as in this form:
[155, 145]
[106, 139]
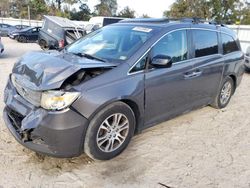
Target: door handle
[193, 74]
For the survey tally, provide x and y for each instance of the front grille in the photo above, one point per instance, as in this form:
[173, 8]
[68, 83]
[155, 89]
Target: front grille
[31, 96]
[15, 118]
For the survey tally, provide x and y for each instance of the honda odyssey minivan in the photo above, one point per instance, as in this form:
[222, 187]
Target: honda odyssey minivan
[96, 93]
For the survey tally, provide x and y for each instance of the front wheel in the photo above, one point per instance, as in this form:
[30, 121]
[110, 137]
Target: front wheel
[247, 69]
[43, 44]
[22, 39]
[225, 93]
[110, 131]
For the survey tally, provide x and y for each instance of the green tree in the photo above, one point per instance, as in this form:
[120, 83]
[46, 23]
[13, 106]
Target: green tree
[18, 9]
[127, 13]
[38, 8]
[60, 2]
[246, 16]
[4, 8]
[226, 11]
[189, 8]
[145, 16]
[84, 13]
[106, 8]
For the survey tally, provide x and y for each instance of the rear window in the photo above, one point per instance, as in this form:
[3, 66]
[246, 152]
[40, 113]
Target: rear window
[229, 44]
[205, 42]
[53, 28]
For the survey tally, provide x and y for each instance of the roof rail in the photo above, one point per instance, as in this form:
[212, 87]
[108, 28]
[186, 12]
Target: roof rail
[145, 20]
[193, 20]
[202, 20]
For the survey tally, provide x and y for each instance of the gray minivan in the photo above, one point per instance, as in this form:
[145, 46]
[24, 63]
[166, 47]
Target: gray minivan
[97, 92]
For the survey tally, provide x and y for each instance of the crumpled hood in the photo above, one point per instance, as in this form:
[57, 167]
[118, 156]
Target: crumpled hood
[48, 70]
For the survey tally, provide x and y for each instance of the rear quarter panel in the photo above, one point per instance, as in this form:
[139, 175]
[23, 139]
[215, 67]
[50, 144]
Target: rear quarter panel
[234, 65]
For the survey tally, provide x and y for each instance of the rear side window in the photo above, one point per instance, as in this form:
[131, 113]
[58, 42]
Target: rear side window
[205, 42]
[229, 44]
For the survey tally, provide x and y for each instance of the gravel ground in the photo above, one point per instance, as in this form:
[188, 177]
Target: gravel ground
[204, 148]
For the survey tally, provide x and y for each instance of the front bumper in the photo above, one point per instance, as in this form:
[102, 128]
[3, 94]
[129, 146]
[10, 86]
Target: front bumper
[12, 36]
[59, 134]
[1, 48]
[247, 61]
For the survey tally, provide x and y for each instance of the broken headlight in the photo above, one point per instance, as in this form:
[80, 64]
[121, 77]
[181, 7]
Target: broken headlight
[58, 100]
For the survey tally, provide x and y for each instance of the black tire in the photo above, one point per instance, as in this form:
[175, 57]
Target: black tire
[91, 147]
[43, 45]
[247, 70]
[22, 39]
[218, 101]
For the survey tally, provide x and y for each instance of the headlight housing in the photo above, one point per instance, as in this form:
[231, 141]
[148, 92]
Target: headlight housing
[58, 100]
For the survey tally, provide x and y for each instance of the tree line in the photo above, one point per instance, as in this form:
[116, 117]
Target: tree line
[225, 11]
[38, 8]
[222, 11]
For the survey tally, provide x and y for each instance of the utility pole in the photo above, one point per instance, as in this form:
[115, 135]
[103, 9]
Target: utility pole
[29, 14]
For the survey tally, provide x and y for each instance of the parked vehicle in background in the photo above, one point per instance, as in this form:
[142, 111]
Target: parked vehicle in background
[95, 94]
[1, 46]
[18, 28]
[91, 27]
[247, 59]
[5, 29]
[100, 21]
[29, 34]
[58, 32]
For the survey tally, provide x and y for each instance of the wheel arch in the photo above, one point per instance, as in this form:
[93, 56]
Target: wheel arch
[234, 78]
[132, 104]
[135, 108]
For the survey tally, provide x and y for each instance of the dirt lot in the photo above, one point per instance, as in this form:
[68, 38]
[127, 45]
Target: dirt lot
[204, 148]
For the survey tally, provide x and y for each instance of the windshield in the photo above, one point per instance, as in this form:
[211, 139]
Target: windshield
[112, 42]
[26, 29]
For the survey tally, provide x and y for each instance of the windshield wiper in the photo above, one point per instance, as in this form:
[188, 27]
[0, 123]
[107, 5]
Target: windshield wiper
[89, 56]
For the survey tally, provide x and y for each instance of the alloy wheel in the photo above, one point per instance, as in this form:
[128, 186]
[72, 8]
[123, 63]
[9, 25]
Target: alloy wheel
[113, 132]
[226, 93]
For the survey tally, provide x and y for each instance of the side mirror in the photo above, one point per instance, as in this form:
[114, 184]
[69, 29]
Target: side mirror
[161, 61]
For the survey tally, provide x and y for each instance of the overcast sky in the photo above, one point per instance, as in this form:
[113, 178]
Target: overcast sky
[153, 8]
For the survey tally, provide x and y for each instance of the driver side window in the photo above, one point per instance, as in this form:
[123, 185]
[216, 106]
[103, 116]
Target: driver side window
[173, 45]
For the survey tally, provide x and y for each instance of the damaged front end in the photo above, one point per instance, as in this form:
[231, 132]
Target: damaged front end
[38, 111]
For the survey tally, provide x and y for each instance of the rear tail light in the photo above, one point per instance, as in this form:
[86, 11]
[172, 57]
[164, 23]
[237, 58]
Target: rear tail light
[61, 43]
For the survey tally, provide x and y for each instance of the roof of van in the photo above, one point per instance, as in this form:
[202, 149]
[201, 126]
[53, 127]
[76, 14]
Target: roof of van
[184, 22]
[63, 22]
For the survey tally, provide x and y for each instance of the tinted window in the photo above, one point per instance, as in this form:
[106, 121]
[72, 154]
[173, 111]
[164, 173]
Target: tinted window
[229, 44]
[173, 45]
[5, 26]
[140, 65]
[205, 42]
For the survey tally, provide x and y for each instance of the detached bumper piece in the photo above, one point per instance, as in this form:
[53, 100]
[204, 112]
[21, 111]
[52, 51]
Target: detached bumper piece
[58, 134]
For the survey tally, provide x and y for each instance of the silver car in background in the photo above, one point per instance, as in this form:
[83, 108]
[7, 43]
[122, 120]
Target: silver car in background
[247, 59]
[1, 46]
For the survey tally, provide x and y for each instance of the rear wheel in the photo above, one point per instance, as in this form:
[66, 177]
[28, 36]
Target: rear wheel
[22, 39]
[247, 69]
[110, 131]
[43, 44]
[225, 93]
